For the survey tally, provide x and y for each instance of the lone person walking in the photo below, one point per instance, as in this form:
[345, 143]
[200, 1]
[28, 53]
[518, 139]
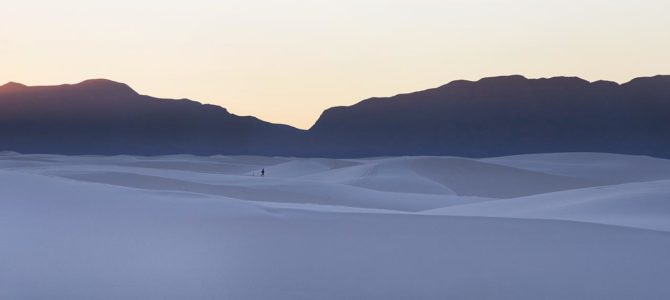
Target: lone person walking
[263, 172]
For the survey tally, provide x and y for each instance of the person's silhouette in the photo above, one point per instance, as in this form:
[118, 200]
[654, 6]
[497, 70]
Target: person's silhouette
[263, 172]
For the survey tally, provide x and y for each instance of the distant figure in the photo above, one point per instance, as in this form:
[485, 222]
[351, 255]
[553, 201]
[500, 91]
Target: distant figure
[263, 172]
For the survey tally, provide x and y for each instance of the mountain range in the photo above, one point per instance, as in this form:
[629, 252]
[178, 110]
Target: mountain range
[490, 117]
[106, 117]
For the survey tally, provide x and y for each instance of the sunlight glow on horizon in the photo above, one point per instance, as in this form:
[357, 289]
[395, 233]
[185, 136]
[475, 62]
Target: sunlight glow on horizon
[287, 61]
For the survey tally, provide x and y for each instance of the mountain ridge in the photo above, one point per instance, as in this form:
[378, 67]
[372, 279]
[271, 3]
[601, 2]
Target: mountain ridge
[107, 117]
[493, 116]
[504, 115]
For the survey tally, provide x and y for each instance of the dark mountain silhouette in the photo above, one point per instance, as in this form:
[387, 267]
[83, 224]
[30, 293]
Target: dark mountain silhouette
[12, 87]
[503, 116]
[490, 117]
[106, 117]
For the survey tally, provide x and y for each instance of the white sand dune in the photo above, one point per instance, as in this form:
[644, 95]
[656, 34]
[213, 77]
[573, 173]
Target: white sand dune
[640, 205]
[450, 175]
[544, 226]
[302, 167]
[599, 168]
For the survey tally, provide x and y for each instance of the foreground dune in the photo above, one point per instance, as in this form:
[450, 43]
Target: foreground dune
[544, 226]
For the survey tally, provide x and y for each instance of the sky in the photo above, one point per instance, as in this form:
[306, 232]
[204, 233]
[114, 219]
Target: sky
[286, 61]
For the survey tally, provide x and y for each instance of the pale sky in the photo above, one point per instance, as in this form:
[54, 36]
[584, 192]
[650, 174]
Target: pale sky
[286, 61]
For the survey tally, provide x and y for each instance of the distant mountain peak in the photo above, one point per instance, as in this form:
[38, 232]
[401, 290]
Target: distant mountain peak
[12, 86]
[660, 80]
[557, 81]
[105, 86]
[99, 81]
[504, 78]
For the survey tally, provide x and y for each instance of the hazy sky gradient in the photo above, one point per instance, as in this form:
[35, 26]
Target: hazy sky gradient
[286, 61]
